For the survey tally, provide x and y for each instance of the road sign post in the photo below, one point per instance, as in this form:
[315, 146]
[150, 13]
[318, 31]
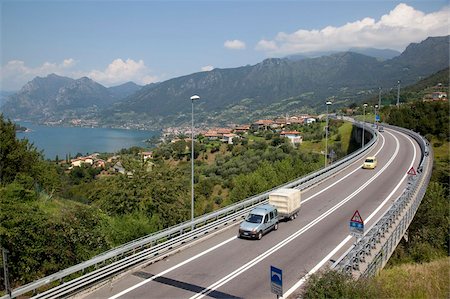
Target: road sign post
[357, 225]
[276, 281]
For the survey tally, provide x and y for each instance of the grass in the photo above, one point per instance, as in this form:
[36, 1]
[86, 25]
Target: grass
[346, 130]
[430, 280]
[442, 151]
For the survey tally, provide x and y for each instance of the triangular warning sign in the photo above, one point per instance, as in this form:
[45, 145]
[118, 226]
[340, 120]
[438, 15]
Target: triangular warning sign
[412, 171]
[357, 218]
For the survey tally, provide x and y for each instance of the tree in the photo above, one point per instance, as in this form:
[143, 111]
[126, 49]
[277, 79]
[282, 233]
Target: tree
[16, 156]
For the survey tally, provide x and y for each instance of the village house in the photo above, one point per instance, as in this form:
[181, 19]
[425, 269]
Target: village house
[228, 138]
[91, 160]
[212, 135]
[295, 120]
[310, 120]
[435, 96]
[99, 163]
[146, 155]
[242, 129]
[294, 136]
[439, 95]
[262, 124]
[118, 167]
[222, 131]
[280, 123]
[217, 134]
[77, 162]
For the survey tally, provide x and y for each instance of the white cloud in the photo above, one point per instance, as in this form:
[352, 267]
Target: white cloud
[207, 68]
[266, 45]
[120, 71]
[394, 30]
[147, 80]
[16, 73]
[234, 44]
[68, 62]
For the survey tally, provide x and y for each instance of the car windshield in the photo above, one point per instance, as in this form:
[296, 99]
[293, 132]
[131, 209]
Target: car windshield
[369, 160]
[252, 218]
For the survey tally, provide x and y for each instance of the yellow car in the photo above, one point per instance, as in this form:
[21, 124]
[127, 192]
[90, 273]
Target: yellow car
[370, 163]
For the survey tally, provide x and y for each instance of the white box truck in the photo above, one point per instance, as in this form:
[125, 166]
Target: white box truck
[287, 201]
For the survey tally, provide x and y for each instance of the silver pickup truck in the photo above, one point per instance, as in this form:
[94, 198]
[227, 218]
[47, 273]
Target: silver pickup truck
[259, 221]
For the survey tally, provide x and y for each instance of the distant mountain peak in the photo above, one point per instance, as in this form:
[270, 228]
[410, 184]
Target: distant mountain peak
[381, 54]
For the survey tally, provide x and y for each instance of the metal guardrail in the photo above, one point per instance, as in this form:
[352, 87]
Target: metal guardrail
[372, 252]
[156, 245]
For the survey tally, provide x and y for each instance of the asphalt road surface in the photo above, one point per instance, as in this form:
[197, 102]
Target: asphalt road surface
[225, 266]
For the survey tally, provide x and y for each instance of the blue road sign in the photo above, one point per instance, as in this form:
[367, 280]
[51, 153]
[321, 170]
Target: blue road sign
[276, 281]
[377, 117]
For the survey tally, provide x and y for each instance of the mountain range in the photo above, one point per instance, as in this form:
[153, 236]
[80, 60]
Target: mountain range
[54, 97]
[268, 89]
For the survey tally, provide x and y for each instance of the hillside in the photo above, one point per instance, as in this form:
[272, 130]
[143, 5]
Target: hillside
[278, 86]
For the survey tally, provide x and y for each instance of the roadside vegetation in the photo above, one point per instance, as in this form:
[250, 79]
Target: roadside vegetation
[53, 215]
[426, 280]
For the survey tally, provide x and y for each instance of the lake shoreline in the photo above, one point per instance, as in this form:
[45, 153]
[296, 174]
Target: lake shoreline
[71, 140]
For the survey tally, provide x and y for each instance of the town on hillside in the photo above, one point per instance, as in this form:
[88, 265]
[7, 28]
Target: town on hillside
[112, 164]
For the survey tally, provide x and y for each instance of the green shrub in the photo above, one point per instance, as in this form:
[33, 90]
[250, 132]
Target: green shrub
[334, 284]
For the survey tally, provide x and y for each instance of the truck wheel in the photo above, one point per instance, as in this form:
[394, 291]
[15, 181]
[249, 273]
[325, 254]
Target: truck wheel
[259, 235]
[275, 227]
[295, 215]
[291, 217]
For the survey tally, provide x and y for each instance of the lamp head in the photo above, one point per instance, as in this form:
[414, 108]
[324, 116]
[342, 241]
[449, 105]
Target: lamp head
[195, 97]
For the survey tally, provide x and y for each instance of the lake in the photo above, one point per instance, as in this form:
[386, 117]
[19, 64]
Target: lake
[72, 140]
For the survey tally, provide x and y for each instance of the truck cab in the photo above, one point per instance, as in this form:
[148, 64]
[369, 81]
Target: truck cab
[259, 221]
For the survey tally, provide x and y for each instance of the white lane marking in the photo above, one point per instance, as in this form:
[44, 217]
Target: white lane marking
[316, 267]
[349, 237]
[403, 178]
[343, 178]
[286, 241]
[172, 268]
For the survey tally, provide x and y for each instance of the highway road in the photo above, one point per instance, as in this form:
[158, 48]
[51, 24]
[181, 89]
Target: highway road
[224, 266]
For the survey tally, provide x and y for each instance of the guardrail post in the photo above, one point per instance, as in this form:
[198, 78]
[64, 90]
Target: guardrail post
[5, 271]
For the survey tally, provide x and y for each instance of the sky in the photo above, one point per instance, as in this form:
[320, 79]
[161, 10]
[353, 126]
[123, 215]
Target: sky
[113, 42]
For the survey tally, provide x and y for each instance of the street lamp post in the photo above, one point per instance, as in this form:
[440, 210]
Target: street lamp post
[364, 124]
[326, 136]
[193, 98]
[379, 97]
[398, 94]
[376, 116]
